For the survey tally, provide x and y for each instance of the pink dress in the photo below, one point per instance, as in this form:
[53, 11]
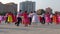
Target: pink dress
[59, 18]
[25, 19]
[47, 18]
[0, 19]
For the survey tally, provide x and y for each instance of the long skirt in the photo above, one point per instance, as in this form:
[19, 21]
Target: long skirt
[47, 20]
[25, 21]
[42, 20]
[35, 19]
[55, 20]
[10, 19]
[14, 19]
[58, 19]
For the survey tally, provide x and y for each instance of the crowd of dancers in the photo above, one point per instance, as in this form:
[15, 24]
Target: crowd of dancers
[29, 18]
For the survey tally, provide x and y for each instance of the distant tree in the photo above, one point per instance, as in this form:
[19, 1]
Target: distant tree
[49, 10]
[40, 11]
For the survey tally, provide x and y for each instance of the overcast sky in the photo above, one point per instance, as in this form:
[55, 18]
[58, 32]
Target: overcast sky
[40, 4]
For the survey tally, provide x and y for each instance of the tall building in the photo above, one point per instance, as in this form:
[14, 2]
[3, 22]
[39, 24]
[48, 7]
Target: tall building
[8, 7]
[11, 7]
[1, 8]
[27, 6]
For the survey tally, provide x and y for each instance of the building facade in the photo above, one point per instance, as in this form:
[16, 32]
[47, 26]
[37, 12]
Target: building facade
[11, 7]
[27, 6]
[8, 7]
[1, 8]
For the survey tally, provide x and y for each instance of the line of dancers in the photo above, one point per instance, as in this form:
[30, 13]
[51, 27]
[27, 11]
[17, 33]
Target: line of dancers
[29, 18]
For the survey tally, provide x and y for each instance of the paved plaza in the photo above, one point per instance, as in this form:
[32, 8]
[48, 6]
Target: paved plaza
[40, 29]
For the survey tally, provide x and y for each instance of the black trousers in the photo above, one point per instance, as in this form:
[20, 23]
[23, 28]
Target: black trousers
[43, 20]
[19, 20]
[51, 20]
[30, 20]
[6, 20]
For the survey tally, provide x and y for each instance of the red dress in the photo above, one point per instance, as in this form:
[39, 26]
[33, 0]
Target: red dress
[58, 19]
[40, 18]
[25, 19]
[13, 17]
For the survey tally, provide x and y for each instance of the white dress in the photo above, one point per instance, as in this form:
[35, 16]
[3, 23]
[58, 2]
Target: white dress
[35, 18]
[30, 15]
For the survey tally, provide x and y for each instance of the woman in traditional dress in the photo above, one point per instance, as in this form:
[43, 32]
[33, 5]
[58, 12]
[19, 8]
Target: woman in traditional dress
[25, 19]
[14, 18]
[0, 18]
[54, 19]
[9, 17]
[47, 18]
[40, 18]
[58, 17]
[35, 18]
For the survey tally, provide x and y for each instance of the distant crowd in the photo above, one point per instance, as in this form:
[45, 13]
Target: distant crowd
[30, 18]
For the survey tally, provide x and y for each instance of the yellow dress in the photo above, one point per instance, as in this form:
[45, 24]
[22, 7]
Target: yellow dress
[9, 18]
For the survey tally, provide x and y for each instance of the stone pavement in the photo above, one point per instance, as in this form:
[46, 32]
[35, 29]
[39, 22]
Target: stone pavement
[40, 29]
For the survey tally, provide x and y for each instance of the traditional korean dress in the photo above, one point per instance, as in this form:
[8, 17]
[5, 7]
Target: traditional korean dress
[10, 18]
[35, 18]
[25, 19]
[47, 18]
[58, 19]
[40, 18]
[54, 19]
[14, 18]
[0, 18]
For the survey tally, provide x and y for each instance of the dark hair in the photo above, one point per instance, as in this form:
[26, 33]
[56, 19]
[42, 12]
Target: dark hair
[31, 12]
[34, 11]
[9, 12]
[20, 10]
[25, 11]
